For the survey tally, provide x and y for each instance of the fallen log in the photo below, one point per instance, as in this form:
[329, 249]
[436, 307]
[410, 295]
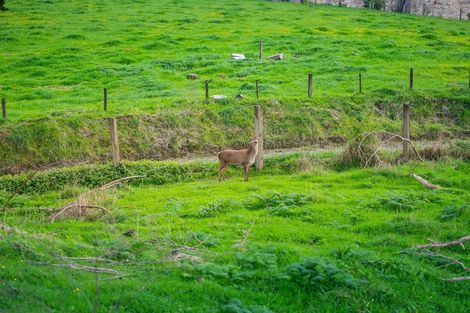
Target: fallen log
[456, 279]
[425, 182]
[444, 244]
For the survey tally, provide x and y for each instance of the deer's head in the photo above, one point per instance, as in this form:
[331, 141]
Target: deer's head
[254, 140]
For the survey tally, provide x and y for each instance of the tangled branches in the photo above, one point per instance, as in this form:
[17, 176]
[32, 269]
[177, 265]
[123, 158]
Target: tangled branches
[426, 251]
[364, 149]
[83, 204]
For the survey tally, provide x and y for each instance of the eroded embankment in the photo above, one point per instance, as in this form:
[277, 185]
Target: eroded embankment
[203, 130]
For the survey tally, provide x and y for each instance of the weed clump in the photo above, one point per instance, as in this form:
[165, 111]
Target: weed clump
[316, 273]
[236, 306]
[278, 203]
[402, 202]
[453, 211]
[214, 208]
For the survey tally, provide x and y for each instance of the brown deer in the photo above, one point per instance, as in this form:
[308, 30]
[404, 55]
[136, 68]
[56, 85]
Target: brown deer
[244, 157]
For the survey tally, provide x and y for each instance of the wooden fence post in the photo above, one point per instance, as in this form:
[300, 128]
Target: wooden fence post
[257, 90]
[259, 121]
[207, 89]
[406, 131]
[360, 83]
[4, 108]
[411, 77]
[310, 80]
[114, 141]
[105, 99]
[460, 14]
[260, 50]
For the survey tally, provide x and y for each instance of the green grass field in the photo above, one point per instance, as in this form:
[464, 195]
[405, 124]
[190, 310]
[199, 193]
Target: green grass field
[56, 56]
[308, 233]
[287, 241]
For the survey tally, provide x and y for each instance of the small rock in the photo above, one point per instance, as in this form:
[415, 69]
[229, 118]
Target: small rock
[238, 56]
[277, 57]
[445, 110]
[129, 233]
[191, 76]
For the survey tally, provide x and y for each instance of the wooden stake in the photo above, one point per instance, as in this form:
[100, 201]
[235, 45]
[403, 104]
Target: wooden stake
[460, 15]
[411, 77]
[114, 141]
[207, 89]
[406, 131]
[105, 99]
[260, 50]
[360, 83]
[257, 90]
[310, 81]
[4, 108]
[259, 121]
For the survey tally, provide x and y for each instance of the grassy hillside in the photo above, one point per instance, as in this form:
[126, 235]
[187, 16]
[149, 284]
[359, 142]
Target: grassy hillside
[56, 56]
[317, 241]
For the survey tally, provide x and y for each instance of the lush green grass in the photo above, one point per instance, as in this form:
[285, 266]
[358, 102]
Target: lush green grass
[58, 55]
[316, 241]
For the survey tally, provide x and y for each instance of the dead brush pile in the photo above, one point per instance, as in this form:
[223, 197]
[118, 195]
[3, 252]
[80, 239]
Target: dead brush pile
[86, 205]
[367, 149]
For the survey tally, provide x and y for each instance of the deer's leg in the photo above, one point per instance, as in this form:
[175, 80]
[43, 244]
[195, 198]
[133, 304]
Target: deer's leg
[222, 171]
[246, 167]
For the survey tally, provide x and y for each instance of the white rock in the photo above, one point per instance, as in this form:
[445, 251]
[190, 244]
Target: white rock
[238, 56]
[219, 97]
[277, 57]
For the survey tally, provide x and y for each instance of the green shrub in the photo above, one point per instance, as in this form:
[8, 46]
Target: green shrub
[257, 259]
[453, 211]
[317, 273]
[402, 202]
[277, 203]
[218, 207]
[236, 306]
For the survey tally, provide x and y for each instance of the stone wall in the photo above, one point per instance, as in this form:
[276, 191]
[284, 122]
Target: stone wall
[444, 8]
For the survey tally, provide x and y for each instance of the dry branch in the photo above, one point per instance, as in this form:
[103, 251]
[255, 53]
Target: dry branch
[10, 286]
[448, 258]
[456, 279]
[87, 259]
[242, 243]
[435, 244]
[425, 182]
[80, 267]
[444, 244]
[18, 190]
